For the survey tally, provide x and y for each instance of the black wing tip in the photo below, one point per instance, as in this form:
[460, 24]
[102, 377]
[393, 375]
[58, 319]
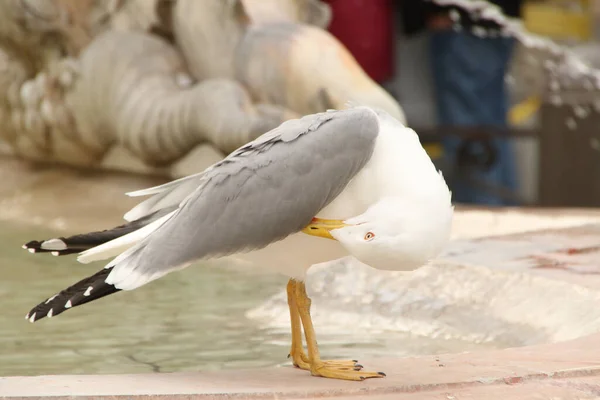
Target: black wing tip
[35, 247]
[84, 291]
[49, 308]
[62, 246]
[34, 315]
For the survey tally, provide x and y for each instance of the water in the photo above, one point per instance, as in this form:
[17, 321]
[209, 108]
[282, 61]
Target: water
[195, 319]
[191, 320]
[188, 321]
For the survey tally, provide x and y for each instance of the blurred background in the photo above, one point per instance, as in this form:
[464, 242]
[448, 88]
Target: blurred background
[489, 106]
[98, 98]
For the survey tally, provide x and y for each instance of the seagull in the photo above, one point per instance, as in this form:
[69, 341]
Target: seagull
[350, 182]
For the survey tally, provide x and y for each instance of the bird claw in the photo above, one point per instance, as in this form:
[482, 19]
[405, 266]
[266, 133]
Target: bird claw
[329, 371]
[343, 365]
[300, 360]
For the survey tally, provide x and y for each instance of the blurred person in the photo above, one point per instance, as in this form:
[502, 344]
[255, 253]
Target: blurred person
[366, 29]
[469, 59]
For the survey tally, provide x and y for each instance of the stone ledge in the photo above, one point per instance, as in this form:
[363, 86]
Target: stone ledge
[554, 366]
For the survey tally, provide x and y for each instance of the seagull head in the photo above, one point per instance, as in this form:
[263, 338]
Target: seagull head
[391, 234]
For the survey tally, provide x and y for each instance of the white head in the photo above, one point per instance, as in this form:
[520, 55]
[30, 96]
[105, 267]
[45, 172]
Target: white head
[392, 234]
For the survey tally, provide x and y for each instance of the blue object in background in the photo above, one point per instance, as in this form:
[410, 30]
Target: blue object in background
[468, 72]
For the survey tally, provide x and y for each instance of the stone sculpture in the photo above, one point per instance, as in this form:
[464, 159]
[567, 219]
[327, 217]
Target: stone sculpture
[147, 84]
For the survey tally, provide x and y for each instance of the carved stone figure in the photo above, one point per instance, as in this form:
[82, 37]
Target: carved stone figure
[144, 84]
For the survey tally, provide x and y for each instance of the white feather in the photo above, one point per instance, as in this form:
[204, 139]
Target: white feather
[170, 194]
[54, 244]
[126, 276]
[153, 189]
[51, 298]
[119, 245]
[143, 208]
[163, 187]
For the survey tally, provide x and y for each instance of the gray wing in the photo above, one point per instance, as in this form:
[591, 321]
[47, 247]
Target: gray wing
[261, 193]
[172, 194]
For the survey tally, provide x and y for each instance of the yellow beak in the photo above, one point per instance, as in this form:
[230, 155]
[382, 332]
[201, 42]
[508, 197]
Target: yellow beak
[321, 227]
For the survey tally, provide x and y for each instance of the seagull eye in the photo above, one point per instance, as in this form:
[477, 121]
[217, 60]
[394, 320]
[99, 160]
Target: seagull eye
[369, 236]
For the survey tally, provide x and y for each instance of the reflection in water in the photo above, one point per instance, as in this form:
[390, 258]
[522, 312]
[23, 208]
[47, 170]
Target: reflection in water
[189, 320]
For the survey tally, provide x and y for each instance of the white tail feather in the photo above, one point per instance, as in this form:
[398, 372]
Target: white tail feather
[54, 244]
[119, 245]
[167, 195]
[142, 208]
[152, 190]
[126, 276]
[158, 202]
[163, 187]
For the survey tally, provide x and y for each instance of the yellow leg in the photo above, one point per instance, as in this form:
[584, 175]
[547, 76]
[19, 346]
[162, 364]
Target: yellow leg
[328, 369]
[299, 359]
